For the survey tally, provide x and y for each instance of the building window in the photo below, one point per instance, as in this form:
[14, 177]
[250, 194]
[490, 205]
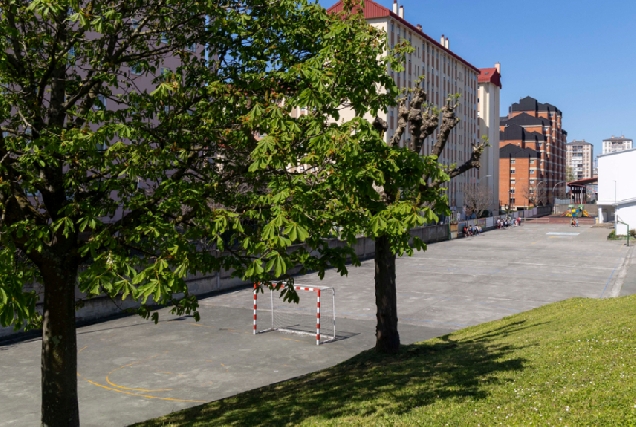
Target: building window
[100, 103]
[512, 171]
[164, 74]
[135, 69]
[192, 47]
[531, 171]
[164, 38]
[513, 161]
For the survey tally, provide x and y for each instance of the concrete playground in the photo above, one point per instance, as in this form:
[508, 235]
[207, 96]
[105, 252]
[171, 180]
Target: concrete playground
[131, 369]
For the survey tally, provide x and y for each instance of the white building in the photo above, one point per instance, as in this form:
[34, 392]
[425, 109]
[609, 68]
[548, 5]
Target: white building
[446, 73]
[489, 81]
[616, 189]
[615, 143]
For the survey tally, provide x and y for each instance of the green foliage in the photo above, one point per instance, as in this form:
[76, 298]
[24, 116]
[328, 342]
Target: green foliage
[129, 190]
[567, 363]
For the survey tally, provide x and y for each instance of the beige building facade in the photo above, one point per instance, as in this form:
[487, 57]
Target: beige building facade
[488, 106]
[617, 143]
[445, 73]
[579, 158]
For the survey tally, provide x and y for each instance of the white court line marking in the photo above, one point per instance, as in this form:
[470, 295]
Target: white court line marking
[553, 233]
[558, 265]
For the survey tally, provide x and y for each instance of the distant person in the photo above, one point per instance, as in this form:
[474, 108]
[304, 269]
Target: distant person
[576, 221]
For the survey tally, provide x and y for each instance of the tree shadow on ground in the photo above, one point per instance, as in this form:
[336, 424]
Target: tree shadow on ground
[419, 375]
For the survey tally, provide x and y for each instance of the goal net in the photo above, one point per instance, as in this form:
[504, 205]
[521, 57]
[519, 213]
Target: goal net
[315, 313]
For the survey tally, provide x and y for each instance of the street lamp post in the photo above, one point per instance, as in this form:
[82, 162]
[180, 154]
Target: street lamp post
[615, 208]
[554, 195]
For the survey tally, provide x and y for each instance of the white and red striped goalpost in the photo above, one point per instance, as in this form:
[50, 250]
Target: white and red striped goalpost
[299, 318]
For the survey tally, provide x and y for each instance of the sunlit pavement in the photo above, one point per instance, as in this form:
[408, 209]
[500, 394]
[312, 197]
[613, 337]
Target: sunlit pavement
[131, 369]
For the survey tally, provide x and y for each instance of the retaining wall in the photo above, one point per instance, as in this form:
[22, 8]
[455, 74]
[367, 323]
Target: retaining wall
[103, 307]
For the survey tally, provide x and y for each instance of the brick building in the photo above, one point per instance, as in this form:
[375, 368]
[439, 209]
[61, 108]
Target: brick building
[519, 185]
[536, 126]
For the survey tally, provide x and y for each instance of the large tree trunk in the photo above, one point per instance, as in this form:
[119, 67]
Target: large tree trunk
[59, 346]
[387, 337]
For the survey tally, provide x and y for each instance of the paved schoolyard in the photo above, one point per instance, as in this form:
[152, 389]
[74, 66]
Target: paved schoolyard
[131, 370]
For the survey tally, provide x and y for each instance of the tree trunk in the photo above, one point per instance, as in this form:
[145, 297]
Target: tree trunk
[59, 347]
[387, 337]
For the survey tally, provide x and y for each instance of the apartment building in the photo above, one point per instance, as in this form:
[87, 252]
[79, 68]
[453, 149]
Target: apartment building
[489, 84]
[445, 73]
[579, 158]
[615, 143]
[537, 126]
[519, 184]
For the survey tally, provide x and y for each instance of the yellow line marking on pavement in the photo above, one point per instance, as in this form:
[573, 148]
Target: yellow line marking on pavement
[81, 349]
[147, 396]
[132, 388]
[199, 325]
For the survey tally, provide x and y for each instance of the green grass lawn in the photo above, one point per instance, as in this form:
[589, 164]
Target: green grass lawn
[571, 363]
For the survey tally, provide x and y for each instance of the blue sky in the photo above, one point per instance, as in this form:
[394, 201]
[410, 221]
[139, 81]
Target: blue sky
[579, 55]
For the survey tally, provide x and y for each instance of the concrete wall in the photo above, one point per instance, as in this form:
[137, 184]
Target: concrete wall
[592, 209]
[616, 177]
[626, 215]
[616, 187]
[102, 307]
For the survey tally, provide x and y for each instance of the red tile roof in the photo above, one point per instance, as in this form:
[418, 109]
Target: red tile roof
[372, 10]
[489, 75]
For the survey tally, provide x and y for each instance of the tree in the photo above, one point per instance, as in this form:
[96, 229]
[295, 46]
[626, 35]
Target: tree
[409, 193]
[535, 194]
[478, 198]
[569, 174]
[140, 187]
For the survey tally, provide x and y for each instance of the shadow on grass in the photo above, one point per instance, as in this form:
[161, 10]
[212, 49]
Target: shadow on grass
[369, 383]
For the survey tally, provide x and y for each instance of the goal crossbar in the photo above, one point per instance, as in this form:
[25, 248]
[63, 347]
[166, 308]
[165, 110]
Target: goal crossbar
[327, 334]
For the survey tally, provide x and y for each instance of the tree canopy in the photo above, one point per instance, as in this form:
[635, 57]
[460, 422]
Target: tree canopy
[146, 140]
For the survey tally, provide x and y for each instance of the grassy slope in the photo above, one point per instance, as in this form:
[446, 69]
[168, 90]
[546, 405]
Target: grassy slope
[569, 363]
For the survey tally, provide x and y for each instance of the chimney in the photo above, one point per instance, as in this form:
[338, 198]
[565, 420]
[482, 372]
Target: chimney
[441, 41]
[446, 43]
[401, 15]
[498, 67]
[395, 6]
[419, 27]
